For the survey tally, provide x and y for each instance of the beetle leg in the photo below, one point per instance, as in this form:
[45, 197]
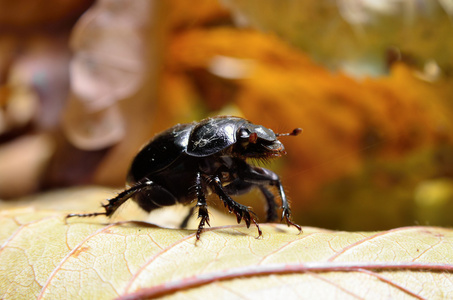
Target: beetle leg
[203, 214]
[271, 212]
[239, 187]
[286, 213]
[201, 204]
[262, 176]
[241, 211]
[114, 203]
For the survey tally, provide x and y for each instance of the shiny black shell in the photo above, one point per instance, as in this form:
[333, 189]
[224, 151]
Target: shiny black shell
[197, 139]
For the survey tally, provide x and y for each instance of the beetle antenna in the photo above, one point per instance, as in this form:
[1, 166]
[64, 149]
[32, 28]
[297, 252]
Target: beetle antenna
[295, 132]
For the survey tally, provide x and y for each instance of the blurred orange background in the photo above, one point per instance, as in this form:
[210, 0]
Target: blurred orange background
[83, 84]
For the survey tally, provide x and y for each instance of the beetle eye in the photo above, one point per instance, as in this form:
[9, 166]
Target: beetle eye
[244, 134]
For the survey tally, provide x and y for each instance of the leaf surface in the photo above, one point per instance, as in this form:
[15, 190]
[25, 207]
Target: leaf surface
[44, 257]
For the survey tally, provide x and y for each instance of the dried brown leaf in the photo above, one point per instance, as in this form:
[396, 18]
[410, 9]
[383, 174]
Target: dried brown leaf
[347, 123]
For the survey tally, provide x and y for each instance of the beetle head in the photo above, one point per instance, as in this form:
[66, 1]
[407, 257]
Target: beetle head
[256, 141]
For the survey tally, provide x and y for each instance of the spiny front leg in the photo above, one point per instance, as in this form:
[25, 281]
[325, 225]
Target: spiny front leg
[241, 211]
[262, 177]
[286, 213]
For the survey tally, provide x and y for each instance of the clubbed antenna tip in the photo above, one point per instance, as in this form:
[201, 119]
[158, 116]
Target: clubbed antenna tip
[295, 132]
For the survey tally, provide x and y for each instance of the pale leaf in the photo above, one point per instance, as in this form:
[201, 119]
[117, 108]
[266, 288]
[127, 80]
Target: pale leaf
[44, 257]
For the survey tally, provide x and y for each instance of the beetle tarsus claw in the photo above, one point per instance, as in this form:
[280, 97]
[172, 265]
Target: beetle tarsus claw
[260, 233]
[287, 215]
[203, 214]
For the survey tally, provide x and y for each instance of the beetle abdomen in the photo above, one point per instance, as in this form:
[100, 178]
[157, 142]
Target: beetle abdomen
[159, 153]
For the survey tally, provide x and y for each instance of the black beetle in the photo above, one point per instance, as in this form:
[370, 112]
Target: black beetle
[189, 161]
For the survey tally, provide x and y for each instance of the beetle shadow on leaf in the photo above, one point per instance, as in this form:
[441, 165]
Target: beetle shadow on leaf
[233, 230]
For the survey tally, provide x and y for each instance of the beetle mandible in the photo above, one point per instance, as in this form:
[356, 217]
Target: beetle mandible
[189, 161]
